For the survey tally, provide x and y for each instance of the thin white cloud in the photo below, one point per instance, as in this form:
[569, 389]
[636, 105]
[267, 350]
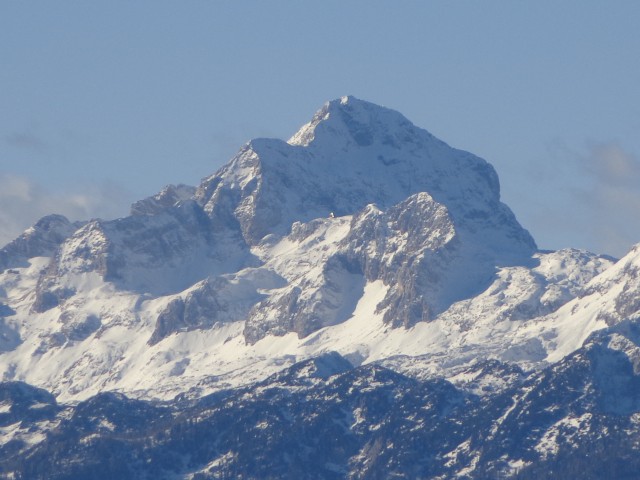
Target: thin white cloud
[584, 199]
[611, 197]
[612, 165]
[23, 202]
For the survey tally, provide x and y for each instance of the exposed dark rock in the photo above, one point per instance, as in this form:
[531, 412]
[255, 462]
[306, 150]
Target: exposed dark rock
[215, 300]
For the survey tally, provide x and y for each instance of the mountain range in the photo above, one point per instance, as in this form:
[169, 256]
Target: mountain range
[356, 302]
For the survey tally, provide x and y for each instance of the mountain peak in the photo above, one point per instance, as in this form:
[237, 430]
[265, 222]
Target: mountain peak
[353, 153]
[350, 121]
[41, 239]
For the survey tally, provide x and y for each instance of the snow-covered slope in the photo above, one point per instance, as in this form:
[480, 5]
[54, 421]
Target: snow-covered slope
[363, 235]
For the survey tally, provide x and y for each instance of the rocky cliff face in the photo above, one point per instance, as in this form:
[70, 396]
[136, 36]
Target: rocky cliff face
[355, 158]
[155, 253]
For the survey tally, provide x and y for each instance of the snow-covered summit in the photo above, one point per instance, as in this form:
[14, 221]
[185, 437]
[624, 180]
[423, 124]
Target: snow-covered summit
[350, 120]
[354, 153]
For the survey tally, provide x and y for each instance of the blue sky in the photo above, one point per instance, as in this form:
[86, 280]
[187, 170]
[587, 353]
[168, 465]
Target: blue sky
[103, 103]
